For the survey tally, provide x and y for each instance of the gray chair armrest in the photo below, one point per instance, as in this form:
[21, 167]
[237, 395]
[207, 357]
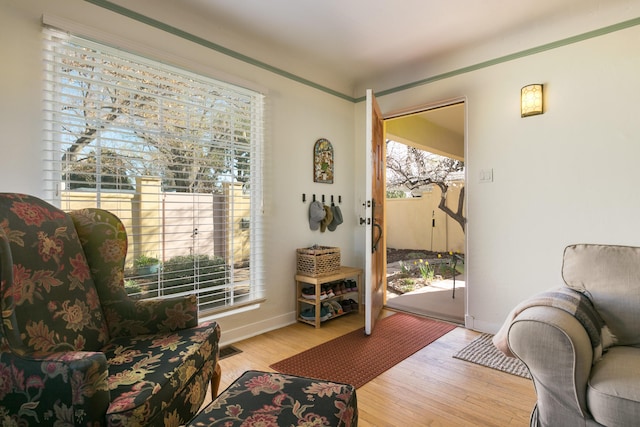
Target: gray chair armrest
[557, 350]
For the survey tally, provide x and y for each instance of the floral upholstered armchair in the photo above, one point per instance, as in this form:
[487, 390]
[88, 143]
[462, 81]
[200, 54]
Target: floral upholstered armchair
[74, 348]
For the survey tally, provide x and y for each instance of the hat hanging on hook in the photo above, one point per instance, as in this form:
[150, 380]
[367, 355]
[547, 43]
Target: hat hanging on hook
[316, 214]
[337, 218]
[327, 218]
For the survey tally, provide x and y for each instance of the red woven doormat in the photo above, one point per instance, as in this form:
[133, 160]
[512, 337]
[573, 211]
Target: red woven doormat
[356, 359]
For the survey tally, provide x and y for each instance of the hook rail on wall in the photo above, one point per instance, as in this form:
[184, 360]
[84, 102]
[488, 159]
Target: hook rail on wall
[304, 198]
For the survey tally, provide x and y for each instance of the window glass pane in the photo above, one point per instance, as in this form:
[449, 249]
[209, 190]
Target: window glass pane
[175, 155]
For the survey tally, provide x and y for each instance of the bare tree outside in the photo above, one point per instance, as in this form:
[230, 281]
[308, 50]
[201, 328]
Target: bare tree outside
[142, 136]
[172, 153]
[410, 169]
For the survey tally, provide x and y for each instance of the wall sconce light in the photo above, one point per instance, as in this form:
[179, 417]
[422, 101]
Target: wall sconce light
[531, 98]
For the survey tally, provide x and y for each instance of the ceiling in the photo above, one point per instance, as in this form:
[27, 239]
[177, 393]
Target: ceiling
[347, 43]
[439, 130]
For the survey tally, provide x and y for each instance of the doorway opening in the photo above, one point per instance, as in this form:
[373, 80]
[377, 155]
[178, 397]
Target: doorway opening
[425, 214]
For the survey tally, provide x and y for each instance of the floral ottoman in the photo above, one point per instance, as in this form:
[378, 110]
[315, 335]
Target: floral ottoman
[274, 399]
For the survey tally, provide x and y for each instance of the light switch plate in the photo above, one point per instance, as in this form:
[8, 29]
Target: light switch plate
[486, 175]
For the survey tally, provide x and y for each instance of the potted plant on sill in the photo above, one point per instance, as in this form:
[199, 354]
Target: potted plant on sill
[146, 265]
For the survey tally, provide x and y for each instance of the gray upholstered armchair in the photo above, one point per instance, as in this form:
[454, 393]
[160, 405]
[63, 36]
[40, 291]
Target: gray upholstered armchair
[581, 342]
[74, 349]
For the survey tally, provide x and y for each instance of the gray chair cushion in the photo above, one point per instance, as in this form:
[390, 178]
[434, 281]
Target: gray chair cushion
[613, 390]
[610, 276]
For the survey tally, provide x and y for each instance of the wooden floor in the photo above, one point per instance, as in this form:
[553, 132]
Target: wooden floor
[430, 388]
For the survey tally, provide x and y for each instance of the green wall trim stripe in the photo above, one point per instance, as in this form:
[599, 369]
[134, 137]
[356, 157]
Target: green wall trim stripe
[527, 52]
[213, 46]
[236, 55]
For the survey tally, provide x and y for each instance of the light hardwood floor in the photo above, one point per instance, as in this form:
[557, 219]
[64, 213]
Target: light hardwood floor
[430, 388]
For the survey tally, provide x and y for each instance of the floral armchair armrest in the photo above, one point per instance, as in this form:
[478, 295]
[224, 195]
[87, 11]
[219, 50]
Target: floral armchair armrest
[68, 388]
[104, 239]
[127, 317]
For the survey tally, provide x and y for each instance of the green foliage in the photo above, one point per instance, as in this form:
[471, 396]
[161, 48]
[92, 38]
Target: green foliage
[180, 274]
[416, 255]
[184, 269]
[426, 270]
[407, 285]
[131, 286]
[403, 268]
[145, 261]
[396, 194]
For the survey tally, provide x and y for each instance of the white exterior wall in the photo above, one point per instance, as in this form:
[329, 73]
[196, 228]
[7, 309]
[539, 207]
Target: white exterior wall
[418, 223]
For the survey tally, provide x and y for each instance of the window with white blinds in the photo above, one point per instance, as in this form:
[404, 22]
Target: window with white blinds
[177, 156]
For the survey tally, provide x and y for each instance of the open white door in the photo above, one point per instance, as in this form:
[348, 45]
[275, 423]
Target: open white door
[375, 258]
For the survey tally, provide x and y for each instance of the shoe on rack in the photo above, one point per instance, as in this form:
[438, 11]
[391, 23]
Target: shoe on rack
[310, 314]
[343, 288]
[336, 289]
[330, 308]
[337, 308]
[329, 292]
[346, 305]
[324, 314]
[309, 292]
[354, 305]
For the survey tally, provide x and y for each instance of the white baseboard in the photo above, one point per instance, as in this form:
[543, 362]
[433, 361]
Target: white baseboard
[230, 336]
[469, 321]
[486, 327]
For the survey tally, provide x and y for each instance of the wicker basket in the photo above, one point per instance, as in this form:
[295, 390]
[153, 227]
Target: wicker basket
[318, 261]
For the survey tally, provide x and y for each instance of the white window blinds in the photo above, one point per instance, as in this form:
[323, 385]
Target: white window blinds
[177, 156]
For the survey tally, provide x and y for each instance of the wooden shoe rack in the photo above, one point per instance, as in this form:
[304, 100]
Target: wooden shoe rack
[317, 282]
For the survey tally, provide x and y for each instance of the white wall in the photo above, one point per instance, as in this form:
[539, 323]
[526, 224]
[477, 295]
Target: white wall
[568, 176]
[296, 117]
[566, 172]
